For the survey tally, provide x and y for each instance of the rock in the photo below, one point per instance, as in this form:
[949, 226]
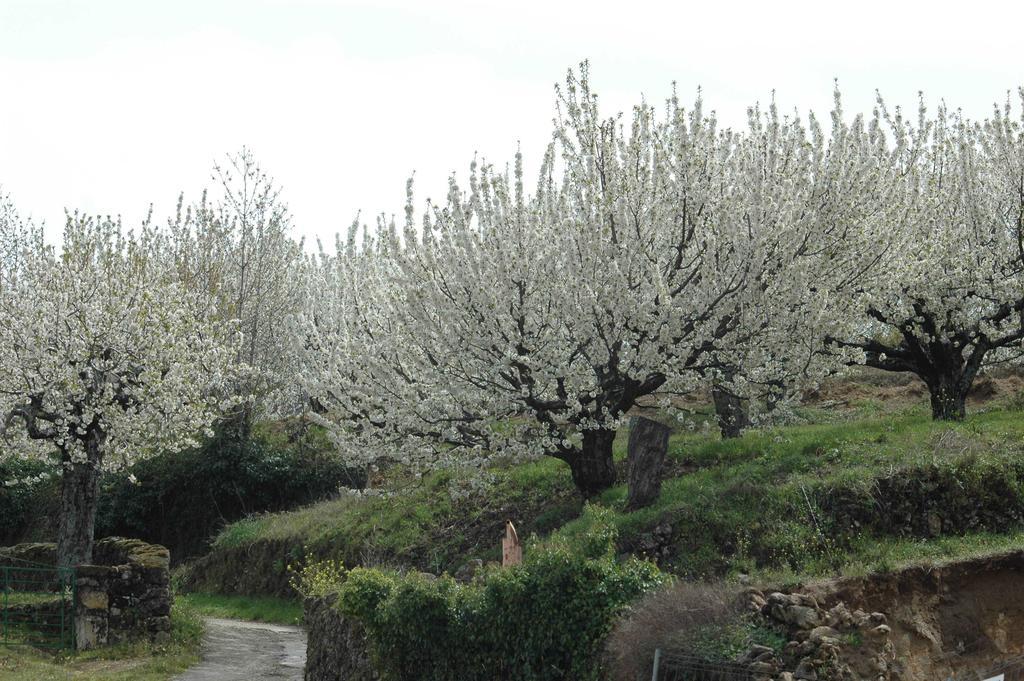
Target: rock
[802, 616]
[880, 630]
[656, 543]
[761, 668]
[90, 632]
[755, 600]
[805, 670]
[839, 616]
[827, 653]
[91, 599]
[779, 598]
[755, 652]
[805, 648]
[160, 624]
[820, 634]
[468, 571]
[786, 676]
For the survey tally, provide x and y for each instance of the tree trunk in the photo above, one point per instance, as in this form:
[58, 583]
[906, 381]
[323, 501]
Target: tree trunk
[237, 427]
[948, 393]
[732, 413]
[648, 444]
[592, 466]
[947, 359]
[79, 494]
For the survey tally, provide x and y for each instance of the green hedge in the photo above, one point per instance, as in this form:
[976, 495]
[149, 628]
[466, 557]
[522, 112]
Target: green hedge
[545, 619]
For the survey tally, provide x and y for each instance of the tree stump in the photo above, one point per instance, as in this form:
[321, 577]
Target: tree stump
[648, 444]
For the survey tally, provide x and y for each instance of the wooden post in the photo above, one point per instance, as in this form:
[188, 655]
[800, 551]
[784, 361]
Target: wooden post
[511, 548]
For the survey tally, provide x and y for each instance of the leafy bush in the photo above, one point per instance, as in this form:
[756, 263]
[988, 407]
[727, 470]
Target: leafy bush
[181, 499]
[544, 619]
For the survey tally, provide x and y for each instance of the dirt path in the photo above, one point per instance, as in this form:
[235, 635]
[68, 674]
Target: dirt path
[249, 651]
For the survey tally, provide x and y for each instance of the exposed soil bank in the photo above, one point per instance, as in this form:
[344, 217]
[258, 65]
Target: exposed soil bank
[946, 620]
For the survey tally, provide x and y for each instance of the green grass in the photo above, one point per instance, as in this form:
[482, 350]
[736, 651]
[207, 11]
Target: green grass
[255, 608]
[29, 597]
[128, 662]
[889, 554]
[427, 523]
[753, 504]
[799, 499]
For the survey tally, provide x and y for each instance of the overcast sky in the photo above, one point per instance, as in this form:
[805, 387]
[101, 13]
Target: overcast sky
[108, 106]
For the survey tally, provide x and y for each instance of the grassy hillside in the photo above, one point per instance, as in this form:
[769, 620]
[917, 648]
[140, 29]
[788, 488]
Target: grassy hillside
[865, 480]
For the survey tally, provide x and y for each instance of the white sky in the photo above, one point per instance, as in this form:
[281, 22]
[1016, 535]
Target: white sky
[108, 106]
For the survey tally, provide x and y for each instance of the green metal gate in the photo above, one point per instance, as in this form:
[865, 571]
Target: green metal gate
[37, 606]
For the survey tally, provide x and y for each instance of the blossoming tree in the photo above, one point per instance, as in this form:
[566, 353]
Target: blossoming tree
[829, 193]
[103, 359]
[235, 247]
[955, 300]
[531, 325]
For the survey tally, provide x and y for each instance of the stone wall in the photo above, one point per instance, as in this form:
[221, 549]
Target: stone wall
[256, 569]
[39, 553]
[836, 643]
[125, 595]
[337, 649]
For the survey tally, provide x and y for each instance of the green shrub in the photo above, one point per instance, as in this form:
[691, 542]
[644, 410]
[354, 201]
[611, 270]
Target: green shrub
[364, 592]
[544, 619]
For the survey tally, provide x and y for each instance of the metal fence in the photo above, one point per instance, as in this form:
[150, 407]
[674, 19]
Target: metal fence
[36, 605]
[675, 666]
